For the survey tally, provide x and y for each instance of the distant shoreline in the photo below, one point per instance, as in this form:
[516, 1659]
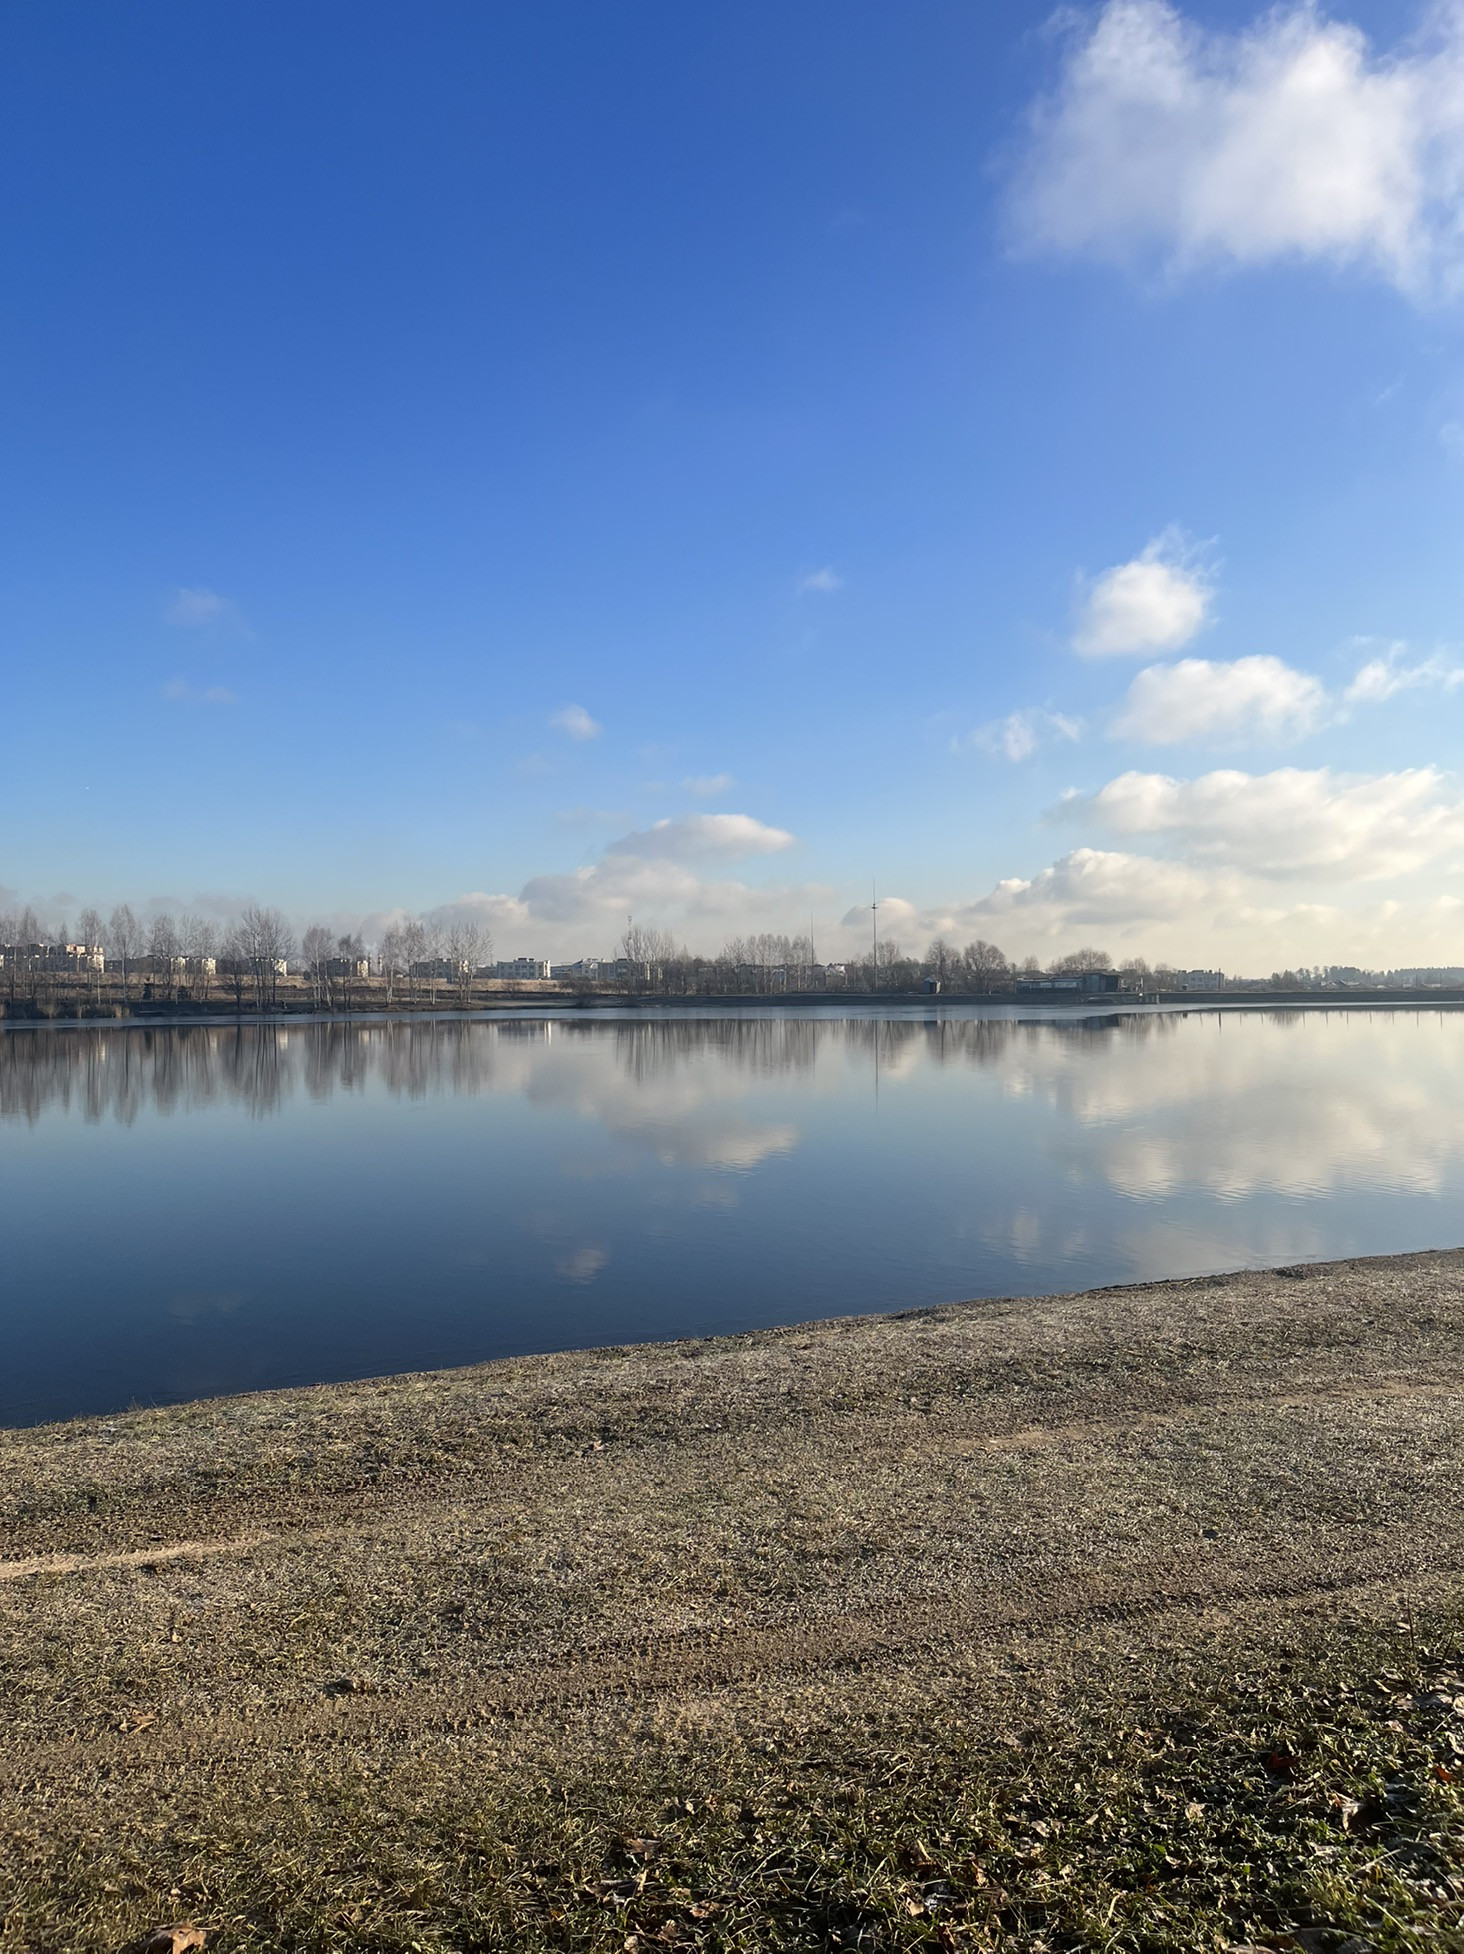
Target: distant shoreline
[15, 1016]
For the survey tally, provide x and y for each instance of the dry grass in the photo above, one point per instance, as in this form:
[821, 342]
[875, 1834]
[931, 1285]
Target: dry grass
[1040, 1625]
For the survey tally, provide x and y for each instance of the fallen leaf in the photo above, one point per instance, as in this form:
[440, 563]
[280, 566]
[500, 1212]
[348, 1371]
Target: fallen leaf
[640, 1848]
[174, 1940]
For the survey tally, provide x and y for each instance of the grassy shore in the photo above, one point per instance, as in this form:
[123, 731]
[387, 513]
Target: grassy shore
[1126, 1620]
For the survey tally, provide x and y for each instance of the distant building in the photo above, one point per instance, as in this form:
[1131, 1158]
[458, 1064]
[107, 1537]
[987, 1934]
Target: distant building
[347, 967]
[522, 970]
[176, 967]
[442, 970]
[1069, 982]
[1192, 980]
[52, 956]
[585, 967]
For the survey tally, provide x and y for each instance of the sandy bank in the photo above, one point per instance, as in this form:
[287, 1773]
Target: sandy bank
[768, 1539]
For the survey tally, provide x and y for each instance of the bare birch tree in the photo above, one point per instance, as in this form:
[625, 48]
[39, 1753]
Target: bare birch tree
[89, 930]
[162, 950]
[267, 943]
[414, 949]
[234, 964]
[468, 945]
[317, 946]
[199, 941]
[393, 956]
[124, 941]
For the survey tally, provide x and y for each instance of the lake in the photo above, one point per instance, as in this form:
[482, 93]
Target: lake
[217, 1208]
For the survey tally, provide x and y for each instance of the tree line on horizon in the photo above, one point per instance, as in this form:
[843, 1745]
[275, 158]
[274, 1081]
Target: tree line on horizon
[248, 956]
[430, 959]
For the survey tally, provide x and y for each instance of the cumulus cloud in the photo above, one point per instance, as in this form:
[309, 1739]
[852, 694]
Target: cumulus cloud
[1292, 822]
[895, 915]
[1220, 704]
[820, 583]
[1098, 888]
[707, 786]
[699, 837]
[1293, 139]
[1263, 699]
[575, 723]
[1196, 914]
[1156, 602]
[182, 693]
[1021, 734]
[665, 875]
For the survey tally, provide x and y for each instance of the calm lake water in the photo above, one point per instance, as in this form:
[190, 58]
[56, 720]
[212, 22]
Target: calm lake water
[216, 1208]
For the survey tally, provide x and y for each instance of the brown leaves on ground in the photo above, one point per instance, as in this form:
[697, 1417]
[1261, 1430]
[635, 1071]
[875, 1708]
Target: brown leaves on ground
[173, 1940]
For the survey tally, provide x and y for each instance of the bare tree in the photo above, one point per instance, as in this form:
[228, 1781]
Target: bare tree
[1136, 972]
[234, 965]
[162, 950]
[414, 950]
[199, 941]
[317, 946]
[123, 940]
[886, 969]
[941, 962]
[89, 930]
[434, 952]
[351, 953]
[393, 957]
[1077, 961]
[984, 968]
[267, 943]
[468, 945]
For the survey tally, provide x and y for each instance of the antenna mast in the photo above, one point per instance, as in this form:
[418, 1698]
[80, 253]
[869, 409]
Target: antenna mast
[874, 919]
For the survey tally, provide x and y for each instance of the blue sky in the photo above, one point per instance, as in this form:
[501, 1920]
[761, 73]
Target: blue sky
[690, 462]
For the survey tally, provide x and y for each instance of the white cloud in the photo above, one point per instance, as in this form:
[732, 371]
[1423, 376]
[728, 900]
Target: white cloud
[822, 583]
[698, 837]
[1155, 602]
[895, 915]
[707, 786]
[1291, 140]
[1094, 888]
[576, 723]
[182, 693]
[193, 608]
[1382, 678]
[1219, 704]
[1020, 734]
[657, 875]
[1293, 822]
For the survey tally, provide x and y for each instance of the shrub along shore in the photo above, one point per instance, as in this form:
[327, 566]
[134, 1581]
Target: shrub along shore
[1123, 1620]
